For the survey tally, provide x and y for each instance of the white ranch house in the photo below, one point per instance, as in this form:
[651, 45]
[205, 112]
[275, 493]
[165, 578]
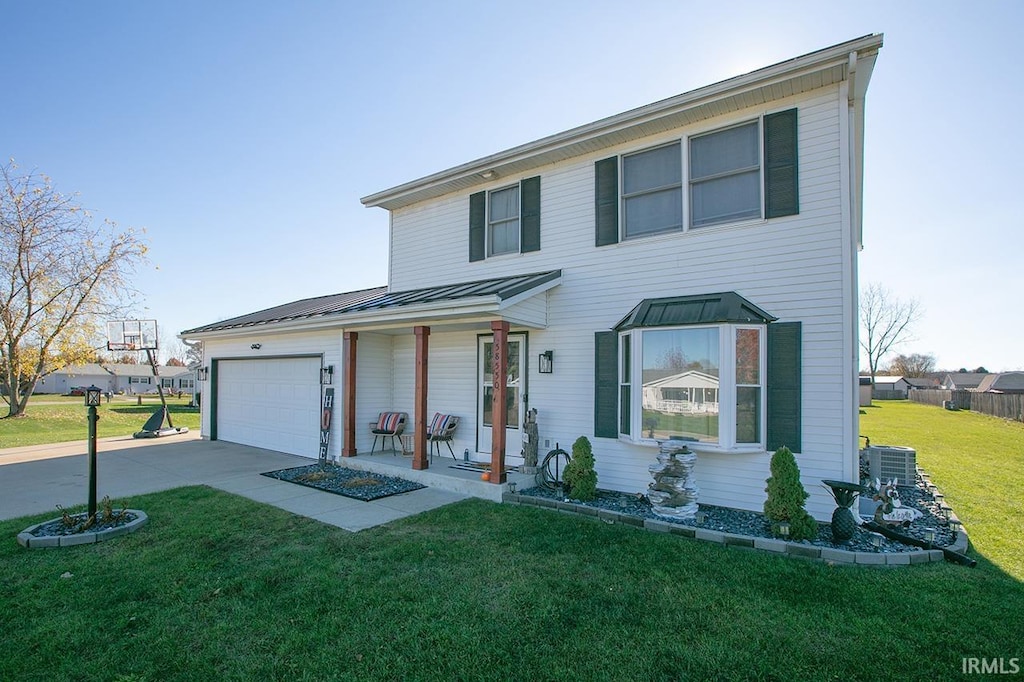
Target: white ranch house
[719, 227]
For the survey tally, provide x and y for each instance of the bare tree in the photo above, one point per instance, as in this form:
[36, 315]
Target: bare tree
[194, 354]
[60, 275]
[885, 322]
[913, 365]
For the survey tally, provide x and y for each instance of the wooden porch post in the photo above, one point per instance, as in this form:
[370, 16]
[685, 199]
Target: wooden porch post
[499, 410]
[348, 358]
[420, 460]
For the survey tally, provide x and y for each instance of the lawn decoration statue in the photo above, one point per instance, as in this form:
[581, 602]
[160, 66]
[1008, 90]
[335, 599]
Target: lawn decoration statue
[673, 494]
[891, 510]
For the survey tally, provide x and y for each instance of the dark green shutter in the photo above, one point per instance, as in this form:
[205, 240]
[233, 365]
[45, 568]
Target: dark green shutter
[606, 193]
[781, 182]
[606, 384]
[784, 386]
[477, 226]
[529, 218]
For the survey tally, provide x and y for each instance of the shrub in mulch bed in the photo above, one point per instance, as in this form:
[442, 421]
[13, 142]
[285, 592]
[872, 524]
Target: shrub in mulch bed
[753, 524]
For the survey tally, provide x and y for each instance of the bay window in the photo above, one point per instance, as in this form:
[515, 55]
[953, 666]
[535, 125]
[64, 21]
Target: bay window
[693, 383]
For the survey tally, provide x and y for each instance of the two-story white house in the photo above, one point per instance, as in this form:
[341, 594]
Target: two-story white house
[685, 270]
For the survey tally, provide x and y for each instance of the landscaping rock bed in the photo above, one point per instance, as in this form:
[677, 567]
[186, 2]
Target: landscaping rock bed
[59, 533]
[359, 485]
[752, 524]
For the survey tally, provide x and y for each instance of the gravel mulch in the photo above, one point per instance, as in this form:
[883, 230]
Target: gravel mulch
[58, 527]
[756, 525]
[359, 485]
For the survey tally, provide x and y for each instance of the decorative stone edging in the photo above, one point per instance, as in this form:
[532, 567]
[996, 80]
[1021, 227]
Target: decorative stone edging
[827, 554]
[27, 539]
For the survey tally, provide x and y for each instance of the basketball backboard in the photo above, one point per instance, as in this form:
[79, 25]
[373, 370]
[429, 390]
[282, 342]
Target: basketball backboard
[129, 335]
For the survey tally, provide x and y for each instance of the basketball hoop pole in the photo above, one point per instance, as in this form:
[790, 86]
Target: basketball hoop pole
[159, 386]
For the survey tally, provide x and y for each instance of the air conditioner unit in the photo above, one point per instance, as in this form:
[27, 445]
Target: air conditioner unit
[888, 462]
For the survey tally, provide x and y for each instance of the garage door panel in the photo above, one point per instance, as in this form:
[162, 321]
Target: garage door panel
[272, 404]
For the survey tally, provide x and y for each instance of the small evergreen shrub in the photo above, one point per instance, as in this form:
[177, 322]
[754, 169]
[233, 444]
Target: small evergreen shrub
[786, 497]
[579, 473]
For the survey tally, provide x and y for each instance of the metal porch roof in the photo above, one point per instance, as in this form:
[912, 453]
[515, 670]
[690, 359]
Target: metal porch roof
[380, 299]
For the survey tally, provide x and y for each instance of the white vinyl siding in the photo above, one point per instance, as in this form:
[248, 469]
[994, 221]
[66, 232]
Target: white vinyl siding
[792, 267]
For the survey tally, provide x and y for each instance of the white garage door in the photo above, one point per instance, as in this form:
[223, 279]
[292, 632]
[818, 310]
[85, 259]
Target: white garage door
[272, 404]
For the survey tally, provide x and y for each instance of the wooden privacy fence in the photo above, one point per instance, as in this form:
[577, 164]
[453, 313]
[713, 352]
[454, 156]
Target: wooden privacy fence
[1006, 406]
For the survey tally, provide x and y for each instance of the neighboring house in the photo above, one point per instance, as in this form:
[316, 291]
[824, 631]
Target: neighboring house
[75, 376]
[718, 228]
[922, 382]
[891, 387]
[963, 381]
[134, 379]
[1005, 382]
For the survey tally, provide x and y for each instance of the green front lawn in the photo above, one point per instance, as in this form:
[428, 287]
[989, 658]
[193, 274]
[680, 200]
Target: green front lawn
[57, 419]
[976, 460]
[219, 587]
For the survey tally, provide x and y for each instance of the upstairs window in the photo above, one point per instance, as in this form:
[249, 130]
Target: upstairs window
[744, 172]
[503, 221]
[725, 176]
[651, 198]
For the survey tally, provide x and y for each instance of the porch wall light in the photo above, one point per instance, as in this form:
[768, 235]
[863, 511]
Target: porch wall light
[203, 373]
[546, 362]
[327, 375]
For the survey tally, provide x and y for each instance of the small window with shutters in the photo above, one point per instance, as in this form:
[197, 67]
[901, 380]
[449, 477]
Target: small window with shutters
[505, 220]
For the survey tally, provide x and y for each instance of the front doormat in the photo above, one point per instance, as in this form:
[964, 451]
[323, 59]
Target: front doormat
[359, 485]
[477, 466]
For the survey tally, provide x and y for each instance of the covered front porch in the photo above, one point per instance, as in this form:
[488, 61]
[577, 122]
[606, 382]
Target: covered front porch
[459, 350]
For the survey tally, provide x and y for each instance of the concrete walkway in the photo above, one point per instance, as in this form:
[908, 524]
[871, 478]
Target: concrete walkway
[35, 479]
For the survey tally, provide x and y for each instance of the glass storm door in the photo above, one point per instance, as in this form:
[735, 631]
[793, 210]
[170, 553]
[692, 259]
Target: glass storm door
[516, 370]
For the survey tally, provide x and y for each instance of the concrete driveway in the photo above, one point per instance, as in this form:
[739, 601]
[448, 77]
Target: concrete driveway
[36, 479]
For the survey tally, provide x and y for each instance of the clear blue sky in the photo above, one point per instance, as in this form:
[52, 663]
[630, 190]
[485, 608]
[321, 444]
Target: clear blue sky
[242, 134]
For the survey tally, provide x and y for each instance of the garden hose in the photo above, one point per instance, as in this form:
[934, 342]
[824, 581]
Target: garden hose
[550, 473]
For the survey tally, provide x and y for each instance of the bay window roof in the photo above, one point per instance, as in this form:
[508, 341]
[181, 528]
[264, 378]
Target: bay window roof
[701, 309]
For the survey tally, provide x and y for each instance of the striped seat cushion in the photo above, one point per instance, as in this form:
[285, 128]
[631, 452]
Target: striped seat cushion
[439, 424]
[388, 422]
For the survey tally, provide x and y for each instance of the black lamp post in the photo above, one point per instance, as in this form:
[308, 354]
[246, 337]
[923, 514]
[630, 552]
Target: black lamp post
[92, 401]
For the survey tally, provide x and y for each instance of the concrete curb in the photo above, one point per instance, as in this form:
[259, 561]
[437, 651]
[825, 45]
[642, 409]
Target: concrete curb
[27, 539]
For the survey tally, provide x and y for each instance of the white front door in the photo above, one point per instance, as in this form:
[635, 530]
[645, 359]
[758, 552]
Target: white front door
[516, 373]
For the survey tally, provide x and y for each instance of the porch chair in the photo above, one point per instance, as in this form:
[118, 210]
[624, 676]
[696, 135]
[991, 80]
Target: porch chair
[388, 425]
[442, 430]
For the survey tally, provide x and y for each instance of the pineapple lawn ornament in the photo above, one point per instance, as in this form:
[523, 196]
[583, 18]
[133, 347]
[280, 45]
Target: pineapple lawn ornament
[844, 521]
[892, 512]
